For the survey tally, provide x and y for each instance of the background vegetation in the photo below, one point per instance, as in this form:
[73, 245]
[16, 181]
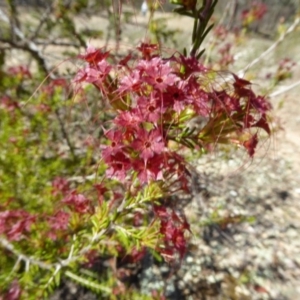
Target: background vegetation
[50, 166]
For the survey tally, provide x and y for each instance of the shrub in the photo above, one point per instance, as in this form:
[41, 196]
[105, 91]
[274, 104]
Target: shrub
[72, 196]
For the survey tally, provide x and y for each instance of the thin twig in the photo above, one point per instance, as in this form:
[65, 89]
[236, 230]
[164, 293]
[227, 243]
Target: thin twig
[94, 239]
[28, 259]
[43, 19]
[26, 44]
[65, 134]
[83, 178]
[271, 48]
[57, 269]
[284, 89]
[62, 263]
[56, 43]
[226, 11]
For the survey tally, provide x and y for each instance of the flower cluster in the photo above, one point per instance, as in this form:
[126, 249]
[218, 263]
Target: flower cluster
[172, 228]
[15, 224]
[18, 224]
[155, 99]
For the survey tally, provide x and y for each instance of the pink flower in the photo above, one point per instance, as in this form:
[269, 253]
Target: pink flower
[118, 165]
[14, 292]
[150, 108]
[131, 82]
[191, 65]
[8, 103]
[260, 103]
[148, 143]
[179, 241]
[98, 73]
[129, 120]
[15, 232]
[150, 170]
[14, 223]
[197, 97]
[60, 185]
[59, 221]
[80, 76]
[251, 144]
[175, 97]
[148, 50]
[78, 201]
[116, 145]
[21, 71]
[263, 123]
[93, 55]
[157, 74]
[172, 228]
[224, 102]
